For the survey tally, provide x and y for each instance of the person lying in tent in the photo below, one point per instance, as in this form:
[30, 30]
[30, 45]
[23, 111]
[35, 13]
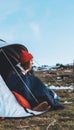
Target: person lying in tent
[23, 83]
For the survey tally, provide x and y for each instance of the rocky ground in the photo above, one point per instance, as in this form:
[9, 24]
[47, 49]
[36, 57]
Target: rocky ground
[52, 120]
[57, 77]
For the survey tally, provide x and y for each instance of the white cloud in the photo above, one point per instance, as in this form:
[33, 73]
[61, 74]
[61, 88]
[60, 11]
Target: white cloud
[35, 28]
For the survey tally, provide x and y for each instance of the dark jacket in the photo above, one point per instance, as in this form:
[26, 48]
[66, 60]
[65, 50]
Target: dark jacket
[30, 87]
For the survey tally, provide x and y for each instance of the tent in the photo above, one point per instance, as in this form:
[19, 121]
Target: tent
[9, 106]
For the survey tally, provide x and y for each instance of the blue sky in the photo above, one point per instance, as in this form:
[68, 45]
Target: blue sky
[45, 27]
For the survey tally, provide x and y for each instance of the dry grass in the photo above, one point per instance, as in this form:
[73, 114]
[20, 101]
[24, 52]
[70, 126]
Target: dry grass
[52, 120]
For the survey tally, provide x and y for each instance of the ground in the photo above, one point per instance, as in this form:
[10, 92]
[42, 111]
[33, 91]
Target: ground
[52, 120]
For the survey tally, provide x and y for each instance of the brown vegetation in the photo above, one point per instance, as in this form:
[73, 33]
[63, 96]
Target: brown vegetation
[61, 77]
[52, 120]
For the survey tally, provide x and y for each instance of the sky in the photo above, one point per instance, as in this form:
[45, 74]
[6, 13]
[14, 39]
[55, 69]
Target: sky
[45, 27]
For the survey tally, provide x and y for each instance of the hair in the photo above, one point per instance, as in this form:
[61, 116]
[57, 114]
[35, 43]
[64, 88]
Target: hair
[25, 65]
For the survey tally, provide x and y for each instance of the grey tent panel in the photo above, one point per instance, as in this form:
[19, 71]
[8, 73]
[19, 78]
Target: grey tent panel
[12, 51]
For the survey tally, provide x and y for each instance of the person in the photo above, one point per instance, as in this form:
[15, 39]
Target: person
[30, 86]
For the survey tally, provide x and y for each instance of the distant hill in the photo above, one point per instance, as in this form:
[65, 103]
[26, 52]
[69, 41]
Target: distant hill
[57, 66]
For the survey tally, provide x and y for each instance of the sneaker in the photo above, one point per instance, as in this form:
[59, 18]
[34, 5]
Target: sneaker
[41, 107]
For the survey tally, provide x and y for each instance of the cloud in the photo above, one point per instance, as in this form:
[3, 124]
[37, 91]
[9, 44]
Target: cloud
[35, 28]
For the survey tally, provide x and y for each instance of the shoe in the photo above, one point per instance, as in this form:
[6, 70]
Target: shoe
[41, 107]
[57, 106]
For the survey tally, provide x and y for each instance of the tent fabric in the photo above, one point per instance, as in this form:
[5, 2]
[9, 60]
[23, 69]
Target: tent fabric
[12, 51]
[9, 106]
